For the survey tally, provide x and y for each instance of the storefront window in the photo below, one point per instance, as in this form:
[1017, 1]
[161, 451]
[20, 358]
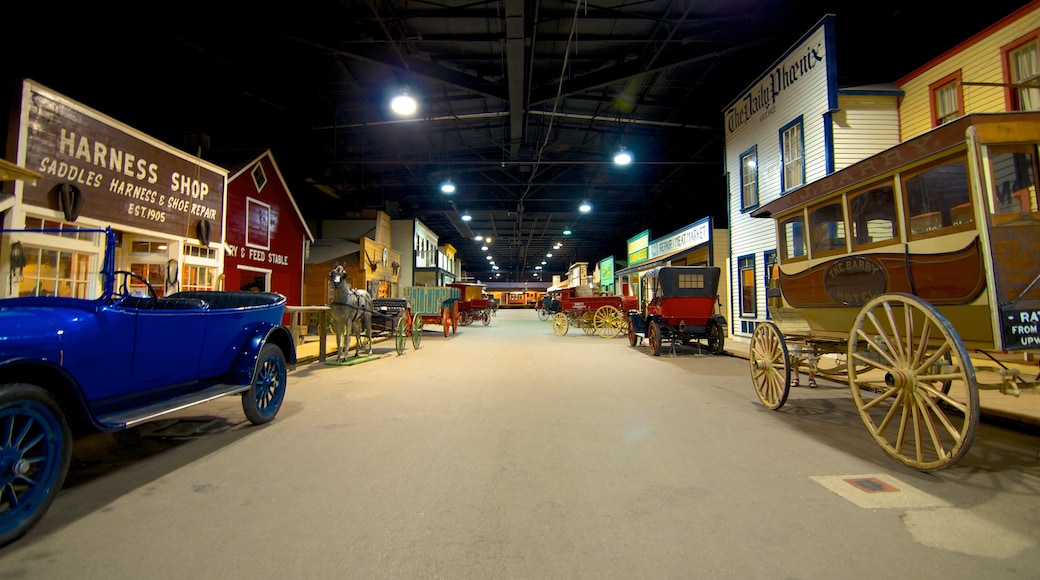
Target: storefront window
[198, 278]
[50, 272]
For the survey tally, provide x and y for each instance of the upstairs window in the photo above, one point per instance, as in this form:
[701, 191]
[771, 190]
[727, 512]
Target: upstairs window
[749, 179]
[1023, 65]
[947, 99]
[792, 147]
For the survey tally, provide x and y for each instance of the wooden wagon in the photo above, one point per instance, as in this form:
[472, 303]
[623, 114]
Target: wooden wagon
[602, 315]
[894, 271]
[473, 304]
[435, 305]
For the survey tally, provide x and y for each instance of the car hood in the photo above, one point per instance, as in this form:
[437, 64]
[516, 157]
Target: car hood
[32, 332]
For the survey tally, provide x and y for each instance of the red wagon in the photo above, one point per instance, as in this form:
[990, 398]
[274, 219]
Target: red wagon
[473, 304]
[602, 315]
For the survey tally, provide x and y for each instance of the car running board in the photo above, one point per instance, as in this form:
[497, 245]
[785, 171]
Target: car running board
[134, 417]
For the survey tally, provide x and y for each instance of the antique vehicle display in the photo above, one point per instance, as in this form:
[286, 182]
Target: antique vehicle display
[678, 305]
[602, 315]
[75, 365]
[435, 305]
[472, 305]
[894, 270]
[392, 317]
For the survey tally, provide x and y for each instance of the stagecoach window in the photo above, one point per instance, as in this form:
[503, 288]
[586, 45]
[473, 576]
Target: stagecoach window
[938, 198]
[792, 234]
[1014, 179]
[828, 229]
[873, 215]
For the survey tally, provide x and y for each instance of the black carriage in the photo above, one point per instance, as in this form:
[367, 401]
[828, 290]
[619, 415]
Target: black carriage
[678, 305]
[394, 317]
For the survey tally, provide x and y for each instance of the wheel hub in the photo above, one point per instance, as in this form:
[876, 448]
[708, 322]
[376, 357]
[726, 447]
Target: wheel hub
[901, 379]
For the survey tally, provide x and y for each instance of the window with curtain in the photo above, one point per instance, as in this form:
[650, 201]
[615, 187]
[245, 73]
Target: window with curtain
[749, 178]
[793, 148]
[748, 296]
[1024, 66]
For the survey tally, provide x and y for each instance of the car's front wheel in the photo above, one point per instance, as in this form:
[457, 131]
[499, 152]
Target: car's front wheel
[35, 451]
[262, 400]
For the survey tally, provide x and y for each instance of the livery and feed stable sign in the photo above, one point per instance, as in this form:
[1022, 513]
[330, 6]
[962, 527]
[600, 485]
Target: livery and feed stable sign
[123, 176]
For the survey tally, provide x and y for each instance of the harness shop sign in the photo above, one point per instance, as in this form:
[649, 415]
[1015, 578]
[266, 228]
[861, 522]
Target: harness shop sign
[114, 173]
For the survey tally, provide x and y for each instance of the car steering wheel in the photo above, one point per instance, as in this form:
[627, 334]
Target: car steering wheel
[122, 290]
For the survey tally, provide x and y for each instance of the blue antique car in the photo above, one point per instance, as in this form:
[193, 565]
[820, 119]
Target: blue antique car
[71, 366]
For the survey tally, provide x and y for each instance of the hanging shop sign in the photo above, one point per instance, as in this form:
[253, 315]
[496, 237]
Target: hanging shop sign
[95, 166]
[687, 238]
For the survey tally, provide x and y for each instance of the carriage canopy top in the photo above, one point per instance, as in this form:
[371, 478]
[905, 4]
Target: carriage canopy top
[685, 280]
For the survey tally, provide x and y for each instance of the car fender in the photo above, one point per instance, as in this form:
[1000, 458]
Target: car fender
[241, 372]
[56, 380]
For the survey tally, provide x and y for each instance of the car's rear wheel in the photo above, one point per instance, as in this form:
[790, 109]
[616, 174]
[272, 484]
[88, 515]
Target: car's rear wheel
[262, 400]
[653, 335]
[716, 340]
[35, 451]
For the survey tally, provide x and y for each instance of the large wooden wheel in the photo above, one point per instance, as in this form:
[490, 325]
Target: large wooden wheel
[587, 322]
[446, 321]
[918, 397]
[607, 321]
[632, 338]
[560, 324]
[653, 336]
[417, 328]
[770, 365]
[401, 334]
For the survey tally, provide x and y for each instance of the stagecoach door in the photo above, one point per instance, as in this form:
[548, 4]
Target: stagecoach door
[1013, 227]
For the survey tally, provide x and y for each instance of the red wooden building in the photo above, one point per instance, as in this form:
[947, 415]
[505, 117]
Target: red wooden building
[266, 241]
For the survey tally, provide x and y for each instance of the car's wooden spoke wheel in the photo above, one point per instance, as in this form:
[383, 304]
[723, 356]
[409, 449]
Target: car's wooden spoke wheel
[770, 365]
[560, 324]
[653, 336]
[607, 321]
[918, 395]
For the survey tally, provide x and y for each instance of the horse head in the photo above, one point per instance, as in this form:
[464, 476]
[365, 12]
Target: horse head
[337, 275]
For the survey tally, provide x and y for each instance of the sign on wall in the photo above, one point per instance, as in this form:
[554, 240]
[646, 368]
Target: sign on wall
[120, 175]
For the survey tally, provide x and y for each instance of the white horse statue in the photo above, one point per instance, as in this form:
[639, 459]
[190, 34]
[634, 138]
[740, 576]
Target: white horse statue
[349, 306]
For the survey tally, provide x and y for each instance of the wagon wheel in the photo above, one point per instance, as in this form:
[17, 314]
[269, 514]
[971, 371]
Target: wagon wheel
[607, 321]
[416, 330]
[560, 324]
[587, 322]
[446, 321]
[653, 336]
[364, 342]
[770, 365]
[543, 314]
[486, 316]
[716, 340]
[454, 316]
[400, 334]
[914, 356]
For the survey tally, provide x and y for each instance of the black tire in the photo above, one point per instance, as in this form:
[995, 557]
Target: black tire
[653, 336]
[35, 448]
[262, 400]
[716, 340]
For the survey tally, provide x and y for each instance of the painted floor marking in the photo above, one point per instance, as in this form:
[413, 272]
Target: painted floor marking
[878, 491]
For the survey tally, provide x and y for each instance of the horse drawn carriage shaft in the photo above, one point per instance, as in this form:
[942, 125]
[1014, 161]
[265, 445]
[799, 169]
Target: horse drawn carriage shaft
[893, 270]
[355, 313]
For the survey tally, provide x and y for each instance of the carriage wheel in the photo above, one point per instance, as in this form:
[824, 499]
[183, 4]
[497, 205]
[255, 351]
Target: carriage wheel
[486, 317]
[905, 397]
[465, 318]
[416, 330]
[543, 314]
[560, 324]
[454, 316]
[770, 365]
[402, 333]
[607, 321]
[587, 322]
[653, 335]
[446, 321]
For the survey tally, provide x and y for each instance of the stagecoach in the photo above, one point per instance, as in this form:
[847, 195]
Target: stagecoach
[895, 272]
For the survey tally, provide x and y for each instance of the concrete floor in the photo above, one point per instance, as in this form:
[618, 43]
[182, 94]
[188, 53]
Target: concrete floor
[508, 452]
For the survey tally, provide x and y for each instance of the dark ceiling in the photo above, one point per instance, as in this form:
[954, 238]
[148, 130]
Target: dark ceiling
[523, 102]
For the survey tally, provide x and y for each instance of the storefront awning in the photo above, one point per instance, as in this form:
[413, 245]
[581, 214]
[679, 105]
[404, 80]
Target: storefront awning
[323, 251]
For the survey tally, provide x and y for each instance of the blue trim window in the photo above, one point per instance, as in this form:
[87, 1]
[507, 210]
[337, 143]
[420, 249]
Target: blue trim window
[769, 260]
[792, 148]
[749, 178]
[748, 286]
